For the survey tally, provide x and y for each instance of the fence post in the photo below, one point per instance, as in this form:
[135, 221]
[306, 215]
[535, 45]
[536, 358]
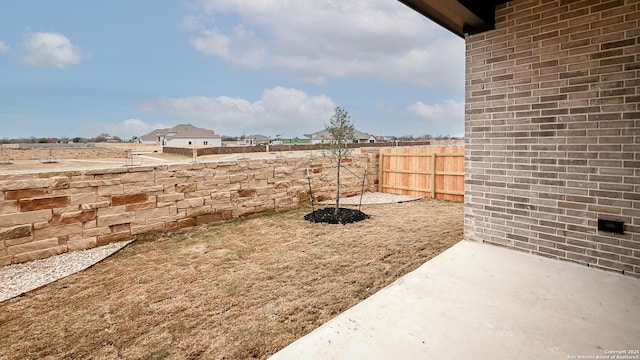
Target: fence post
[380, 173]
[433, 175]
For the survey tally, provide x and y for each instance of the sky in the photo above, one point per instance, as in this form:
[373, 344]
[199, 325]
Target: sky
[273, 67]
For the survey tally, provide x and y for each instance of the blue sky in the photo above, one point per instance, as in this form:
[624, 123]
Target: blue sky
[81, 68]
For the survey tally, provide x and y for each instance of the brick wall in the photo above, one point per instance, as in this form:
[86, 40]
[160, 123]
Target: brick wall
[553, 131]
[48, 213]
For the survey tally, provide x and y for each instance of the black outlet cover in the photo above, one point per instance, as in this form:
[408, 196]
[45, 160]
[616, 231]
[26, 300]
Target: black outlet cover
[612, 226]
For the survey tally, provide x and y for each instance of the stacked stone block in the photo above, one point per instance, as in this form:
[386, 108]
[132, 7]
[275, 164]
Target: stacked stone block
[59, 152]
[48, 213]
[553, 131]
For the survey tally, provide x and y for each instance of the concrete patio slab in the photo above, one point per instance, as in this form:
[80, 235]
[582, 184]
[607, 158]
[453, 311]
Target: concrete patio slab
[477, 301]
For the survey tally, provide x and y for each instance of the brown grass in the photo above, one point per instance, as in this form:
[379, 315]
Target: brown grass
[234, 290]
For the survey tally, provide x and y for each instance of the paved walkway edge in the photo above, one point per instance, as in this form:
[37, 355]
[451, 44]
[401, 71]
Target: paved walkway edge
[478, 301]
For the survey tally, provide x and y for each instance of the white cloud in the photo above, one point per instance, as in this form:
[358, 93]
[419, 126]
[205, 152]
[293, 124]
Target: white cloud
[4, 48]
[320, 39]
[279, 109]
[442, 113]
[50, 50]
[125, 129]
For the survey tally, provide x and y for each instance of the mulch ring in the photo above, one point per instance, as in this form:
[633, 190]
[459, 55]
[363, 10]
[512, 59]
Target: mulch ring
[328, 215]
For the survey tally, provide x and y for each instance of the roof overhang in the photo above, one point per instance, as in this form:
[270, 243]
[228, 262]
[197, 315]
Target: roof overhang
[459, 16]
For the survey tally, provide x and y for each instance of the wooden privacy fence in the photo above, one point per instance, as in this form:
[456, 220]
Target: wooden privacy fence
[435, 172]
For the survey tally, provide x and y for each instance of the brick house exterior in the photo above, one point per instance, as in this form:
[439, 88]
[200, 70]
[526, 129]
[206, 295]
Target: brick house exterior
[553, 131]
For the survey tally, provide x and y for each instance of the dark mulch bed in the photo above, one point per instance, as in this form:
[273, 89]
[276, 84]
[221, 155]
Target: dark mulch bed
[328, 215]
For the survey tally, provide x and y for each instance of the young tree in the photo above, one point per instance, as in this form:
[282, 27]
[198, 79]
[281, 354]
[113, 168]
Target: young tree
[341, 134]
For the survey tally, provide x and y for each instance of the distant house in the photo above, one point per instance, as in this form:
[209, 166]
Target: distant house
[251, 140]
[323, 136]
[182, 135]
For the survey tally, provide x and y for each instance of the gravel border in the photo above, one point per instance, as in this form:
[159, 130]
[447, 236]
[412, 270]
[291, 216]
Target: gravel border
[17, 279]
[370, 198]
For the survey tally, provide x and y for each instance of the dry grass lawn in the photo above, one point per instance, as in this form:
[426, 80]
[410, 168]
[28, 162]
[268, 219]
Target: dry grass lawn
[235, 290]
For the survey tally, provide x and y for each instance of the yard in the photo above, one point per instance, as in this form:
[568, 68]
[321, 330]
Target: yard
[233, 290]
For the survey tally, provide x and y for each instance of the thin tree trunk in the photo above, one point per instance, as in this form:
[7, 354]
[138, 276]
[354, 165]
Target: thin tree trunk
[338, 190]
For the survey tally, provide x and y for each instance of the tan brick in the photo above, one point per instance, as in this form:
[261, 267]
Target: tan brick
[111, 210]
[76, 243]
[203, 210]
[41, 225]
[78, 216]
[26, 194]
[236, 178]
[18, 241]
[282, 185]
[120, 228]
[32, 246]
[253, 184]
[153, 213]
[97, 231]
[110, 190]
[186, 187]
[218, 197]
[190, 203]
[57, 231]
[184, 223]
[150, 189]
[128, 199]
[24, 184]
[170, 197]
[8, 207]
[219, 216]
[146, 229]
[140, 206]
[264, 175]
[29, 217]
[6, 260]
[114, 219]
[247, 193]
[39, 254]
[43, 203]
[15, 232]
[59, 182]
[228, 187]
[137, 177]
[94, 183]
[95, 205]
[108, 239]
[83, 198]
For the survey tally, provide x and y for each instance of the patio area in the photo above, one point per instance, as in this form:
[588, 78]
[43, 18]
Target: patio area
[478, 301]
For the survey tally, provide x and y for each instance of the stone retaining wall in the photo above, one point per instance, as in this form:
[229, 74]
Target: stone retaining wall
[188, 151]
[57, 153]
[48, 213]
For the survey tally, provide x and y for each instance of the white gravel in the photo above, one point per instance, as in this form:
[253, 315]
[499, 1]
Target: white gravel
[17, 279]
[371, 198]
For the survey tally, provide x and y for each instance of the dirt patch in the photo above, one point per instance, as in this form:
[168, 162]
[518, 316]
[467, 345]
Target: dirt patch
[235, 290]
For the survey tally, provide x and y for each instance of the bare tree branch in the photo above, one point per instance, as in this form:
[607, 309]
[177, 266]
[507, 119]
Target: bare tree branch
[341, 133]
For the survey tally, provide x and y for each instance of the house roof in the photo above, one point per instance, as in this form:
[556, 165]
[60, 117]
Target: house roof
[181, 131]
[459, 16]
[324, 135]
[257, 137]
